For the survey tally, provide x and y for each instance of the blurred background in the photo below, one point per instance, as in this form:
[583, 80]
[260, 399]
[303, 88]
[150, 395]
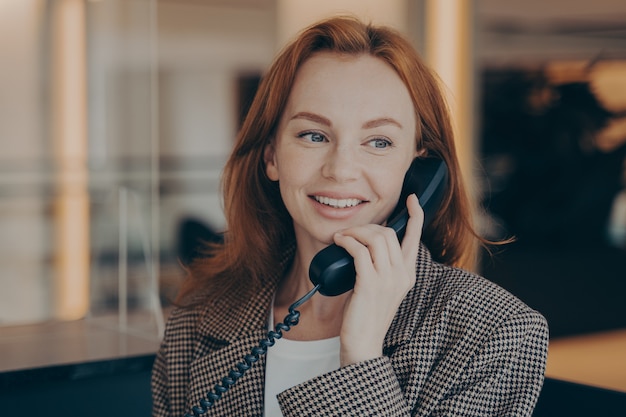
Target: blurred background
[116, 117]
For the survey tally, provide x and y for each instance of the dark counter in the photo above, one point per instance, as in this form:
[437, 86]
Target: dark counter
[117, 387]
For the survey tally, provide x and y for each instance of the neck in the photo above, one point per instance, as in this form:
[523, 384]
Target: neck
[296, 283]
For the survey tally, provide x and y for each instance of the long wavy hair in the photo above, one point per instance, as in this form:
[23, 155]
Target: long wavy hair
[259, 228]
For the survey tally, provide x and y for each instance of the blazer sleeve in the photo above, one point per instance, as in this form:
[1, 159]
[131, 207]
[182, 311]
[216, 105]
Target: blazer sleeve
[502, 377]
[368, 388]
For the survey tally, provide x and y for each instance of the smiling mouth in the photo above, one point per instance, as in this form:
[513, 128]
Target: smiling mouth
[337, 203]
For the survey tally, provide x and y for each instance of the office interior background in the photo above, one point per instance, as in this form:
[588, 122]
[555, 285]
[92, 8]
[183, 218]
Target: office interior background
[117, 116]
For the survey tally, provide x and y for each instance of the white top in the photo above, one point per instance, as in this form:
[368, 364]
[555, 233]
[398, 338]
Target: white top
[291, 362]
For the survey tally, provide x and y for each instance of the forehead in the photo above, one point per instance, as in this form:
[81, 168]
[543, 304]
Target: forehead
[346, 81]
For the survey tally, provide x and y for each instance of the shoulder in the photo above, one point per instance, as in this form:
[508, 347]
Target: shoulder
[468, 292]
[458, 303]
[480, 346]
[468, 300]
[182, 325]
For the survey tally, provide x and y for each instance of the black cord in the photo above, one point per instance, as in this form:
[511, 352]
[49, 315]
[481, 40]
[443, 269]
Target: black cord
[291, 319]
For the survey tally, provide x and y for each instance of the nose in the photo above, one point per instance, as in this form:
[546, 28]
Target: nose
[341, 165]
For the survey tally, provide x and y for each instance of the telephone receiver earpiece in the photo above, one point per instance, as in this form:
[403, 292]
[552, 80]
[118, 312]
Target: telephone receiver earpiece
[333, 268]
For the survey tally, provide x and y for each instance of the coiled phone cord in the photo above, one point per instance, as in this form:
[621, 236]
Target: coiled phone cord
[290, 320]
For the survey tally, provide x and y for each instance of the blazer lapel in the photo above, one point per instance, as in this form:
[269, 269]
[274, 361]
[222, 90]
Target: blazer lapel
[227, 333]
[245, 397]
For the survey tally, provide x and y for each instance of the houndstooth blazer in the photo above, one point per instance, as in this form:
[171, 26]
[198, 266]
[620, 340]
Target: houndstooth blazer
[458, 346]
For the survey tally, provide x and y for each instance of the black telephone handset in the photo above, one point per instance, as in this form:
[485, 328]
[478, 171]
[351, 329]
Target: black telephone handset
[333, 268]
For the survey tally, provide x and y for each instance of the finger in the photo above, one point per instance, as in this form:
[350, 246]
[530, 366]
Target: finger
[413, 234]
[380, 242]
[361, 254]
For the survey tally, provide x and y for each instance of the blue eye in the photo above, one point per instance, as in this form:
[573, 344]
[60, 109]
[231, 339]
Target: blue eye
[380, 143]
[315, 137]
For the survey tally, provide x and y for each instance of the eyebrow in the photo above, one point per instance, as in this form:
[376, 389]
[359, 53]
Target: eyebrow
[381, 122]
[312, 117]
[370, 124]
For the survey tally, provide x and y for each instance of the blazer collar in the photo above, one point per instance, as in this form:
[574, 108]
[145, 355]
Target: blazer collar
[408, 316]
[237, 319]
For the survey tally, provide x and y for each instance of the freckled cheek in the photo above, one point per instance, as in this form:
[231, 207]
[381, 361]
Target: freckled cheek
[299, 170]
[390, 193]
[292, 182]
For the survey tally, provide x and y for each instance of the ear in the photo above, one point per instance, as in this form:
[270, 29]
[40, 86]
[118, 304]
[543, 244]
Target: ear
[271, 167]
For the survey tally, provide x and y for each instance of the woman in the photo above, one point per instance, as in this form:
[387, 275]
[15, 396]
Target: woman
[320, 159]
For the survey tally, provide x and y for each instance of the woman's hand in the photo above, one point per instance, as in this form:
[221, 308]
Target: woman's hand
[385, 272]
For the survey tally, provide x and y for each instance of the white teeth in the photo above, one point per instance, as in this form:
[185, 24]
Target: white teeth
[333, 202]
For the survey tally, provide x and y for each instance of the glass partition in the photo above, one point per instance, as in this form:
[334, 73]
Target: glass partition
[117, 117]
[79, 177]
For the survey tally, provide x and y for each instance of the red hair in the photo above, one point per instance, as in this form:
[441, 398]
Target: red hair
[260, 229]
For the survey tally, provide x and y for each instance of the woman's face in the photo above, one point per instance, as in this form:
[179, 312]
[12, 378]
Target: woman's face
[344, 143]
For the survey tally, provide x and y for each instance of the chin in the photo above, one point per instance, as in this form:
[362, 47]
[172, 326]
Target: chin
[328, 241]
